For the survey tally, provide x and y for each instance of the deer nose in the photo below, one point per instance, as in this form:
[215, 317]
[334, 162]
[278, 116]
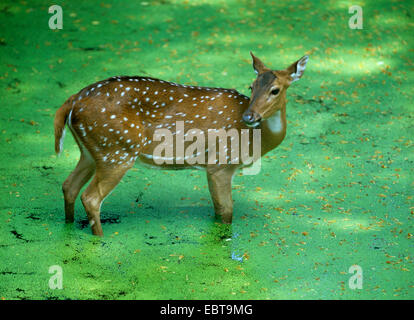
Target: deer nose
[251, 117]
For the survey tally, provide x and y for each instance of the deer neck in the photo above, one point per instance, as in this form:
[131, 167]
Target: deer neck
[273, 130]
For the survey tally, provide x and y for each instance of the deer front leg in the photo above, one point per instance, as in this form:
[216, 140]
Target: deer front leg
[219, 183]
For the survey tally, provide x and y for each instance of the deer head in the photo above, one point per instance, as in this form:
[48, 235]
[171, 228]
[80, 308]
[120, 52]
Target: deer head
[269, 89]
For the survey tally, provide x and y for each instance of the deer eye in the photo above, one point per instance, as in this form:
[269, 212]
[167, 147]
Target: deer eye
[275, 91]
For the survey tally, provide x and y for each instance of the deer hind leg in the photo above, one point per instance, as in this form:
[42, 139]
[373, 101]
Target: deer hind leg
[104, 181]
[74, 183]
[219, 183]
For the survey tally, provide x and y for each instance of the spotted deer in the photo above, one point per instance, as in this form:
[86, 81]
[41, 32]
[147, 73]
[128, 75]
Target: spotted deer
[113, 122]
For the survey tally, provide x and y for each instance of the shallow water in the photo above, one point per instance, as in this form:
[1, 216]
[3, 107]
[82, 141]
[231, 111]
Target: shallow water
[336, 193]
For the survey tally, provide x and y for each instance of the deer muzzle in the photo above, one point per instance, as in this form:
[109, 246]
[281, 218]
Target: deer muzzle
[251, 118]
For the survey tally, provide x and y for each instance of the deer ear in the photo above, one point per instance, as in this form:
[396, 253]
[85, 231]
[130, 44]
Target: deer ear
[297, 68]
[258, 65]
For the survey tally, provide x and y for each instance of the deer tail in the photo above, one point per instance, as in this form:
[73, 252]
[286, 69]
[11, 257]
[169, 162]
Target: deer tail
[61, 117]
